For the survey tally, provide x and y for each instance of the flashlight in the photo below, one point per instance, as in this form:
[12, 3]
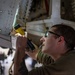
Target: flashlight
[18, 29]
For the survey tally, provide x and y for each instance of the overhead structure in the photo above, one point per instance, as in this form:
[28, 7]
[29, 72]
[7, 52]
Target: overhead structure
[34, 16]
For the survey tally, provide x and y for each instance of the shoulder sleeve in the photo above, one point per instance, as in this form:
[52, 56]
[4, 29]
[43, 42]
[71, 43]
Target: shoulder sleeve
[43, 58]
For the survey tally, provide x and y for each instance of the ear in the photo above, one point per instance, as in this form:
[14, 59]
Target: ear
[61, 39]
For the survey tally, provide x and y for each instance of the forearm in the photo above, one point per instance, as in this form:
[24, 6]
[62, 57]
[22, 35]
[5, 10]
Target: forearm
[19, 55]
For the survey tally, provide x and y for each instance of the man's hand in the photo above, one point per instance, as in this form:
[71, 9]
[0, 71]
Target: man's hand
[21, 42]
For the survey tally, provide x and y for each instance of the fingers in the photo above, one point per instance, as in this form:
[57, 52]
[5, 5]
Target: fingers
[21, 42]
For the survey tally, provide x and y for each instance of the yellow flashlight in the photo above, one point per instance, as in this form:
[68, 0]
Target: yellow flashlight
[19, 29]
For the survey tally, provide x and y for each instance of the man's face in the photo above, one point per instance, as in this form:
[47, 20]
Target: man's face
[49, 43]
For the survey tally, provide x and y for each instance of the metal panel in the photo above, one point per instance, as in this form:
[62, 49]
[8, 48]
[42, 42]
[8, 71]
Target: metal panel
[7, 13]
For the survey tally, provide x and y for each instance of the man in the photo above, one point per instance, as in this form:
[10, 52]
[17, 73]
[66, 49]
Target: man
[57, 53]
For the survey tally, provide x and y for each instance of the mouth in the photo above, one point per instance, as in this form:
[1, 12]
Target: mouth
[41, 46]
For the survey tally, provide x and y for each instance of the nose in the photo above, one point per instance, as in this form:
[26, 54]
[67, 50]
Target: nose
[42, 39]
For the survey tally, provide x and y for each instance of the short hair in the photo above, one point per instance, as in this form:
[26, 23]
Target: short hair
[67, 32]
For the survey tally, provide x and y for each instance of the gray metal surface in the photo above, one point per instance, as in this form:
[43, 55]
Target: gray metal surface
[7, 13]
